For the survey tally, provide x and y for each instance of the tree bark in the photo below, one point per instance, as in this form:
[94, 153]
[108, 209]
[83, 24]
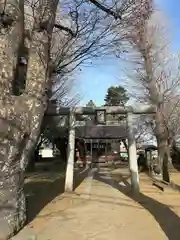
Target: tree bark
[156, 99]
[163, 147]
[21, 116]
[29, 154]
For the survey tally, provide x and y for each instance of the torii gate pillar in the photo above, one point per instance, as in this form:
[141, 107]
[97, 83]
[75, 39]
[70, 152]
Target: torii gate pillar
[132, 152]
[69, 178]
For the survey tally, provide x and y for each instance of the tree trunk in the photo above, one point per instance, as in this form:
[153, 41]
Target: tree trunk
[13, 208]
[33, 149]
[163, 159]
[163, 147]
[31, 164]
[21, 116]
[12, 165]
[125, 144]
[156, 98]
[34, 154]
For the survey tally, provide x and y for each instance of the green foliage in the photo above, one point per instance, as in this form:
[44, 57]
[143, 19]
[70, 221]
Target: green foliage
[91, 104]
[116, 96]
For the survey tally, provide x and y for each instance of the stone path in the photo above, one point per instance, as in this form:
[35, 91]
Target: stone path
[102, 208]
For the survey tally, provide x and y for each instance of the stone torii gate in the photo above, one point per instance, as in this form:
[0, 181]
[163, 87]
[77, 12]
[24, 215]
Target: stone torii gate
[100, 113]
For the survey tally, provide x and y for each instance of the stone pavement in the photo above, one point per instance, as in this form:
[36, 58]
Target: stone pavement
[102, 208]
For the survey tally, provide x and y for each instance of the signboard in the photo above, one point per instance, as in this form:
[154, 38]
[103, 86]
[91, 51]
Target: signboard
[100, 117]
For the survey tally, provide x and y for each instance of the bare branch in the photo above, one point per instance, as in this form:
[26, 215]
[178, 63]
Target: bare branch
[66, 29]
[105, 9]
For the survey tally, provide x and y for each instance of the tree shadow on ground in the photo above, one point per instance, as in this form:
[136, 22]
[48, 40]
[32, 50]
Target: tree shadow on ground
[176, 166]
[40, 193]
[112, 164]
[175, 186]
[102, 199]
[167, 219]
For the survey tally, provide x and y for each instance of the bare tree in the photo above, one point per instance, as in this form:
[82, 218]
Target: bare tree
[152, 71]
[143, 129]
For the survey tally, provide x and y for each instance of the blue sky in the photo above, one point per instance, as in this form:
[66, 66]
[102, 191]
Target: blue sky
[94, 81]
[171, 10]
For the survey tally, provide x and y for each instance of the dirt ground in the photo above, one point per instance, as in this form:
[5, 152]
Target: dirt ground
[102, 207]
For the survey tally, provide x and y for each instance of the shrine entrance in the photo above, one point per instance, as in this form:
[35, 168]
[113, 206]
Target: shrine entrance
[100, 130]
[102, 148]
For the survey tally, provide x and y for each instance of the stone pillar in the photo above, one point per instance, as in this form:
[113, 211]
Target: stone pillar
[70, 154]
[85, 155]
[106, 151]
[133, 165]
[120, 148]
[91, 152]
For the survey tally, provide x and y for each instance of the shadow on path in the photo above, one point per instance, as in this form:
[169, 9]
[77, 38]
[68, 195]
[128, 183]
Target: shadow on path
[176, 166]
[103, 199]
[40, 193]
[174, 186]
[167, 219]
